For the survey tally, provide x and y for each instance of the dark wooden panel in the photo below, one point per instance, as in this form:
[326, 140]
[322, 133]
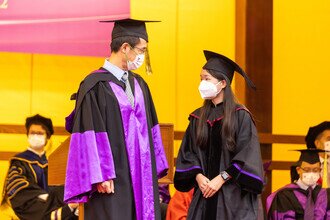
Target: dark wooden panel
[6, 155]
[259, 66]
[20, 129]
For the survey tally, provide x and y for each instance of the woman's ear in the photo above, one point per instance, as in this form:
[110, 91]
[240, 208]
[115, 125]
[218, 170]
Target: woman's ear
[223, 84]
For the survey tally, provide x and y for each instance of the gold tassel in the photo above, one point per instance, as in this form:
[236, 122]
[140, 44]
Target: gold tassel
[147, 63]
[325, 172]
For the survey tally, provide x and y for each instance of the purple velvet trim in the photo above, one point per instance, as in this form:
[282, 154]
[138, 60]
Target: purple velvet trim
[69, 121]
[138, 150]
[247, 173]
[164, 193]
[99, 71]
[161, 161]
[320, 203]
[90, 161]
[284, 215]
[270, 198]
[320, 211]
[188, 169]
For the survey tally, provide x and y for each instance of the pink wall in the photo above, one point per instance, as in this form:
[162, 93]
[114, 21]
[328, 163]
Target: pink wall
[68, 27]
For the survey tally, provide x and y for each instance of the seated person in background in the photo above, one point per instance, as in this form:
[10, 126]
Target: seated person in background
[304, 199]
[317, 137]
[179, 204]
[26, 186]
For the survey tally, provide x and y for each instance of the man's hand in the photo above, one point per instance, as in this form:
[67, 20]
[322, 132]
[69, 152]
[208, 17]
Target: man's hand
[213, 186]
[202, 181]
[106, 187]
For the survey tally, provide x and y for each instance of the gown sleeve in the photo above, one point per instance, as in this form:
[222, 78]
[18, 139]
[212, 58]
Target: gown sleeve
[188, 164]
[90, 159]
[23, 194]
[246, 167]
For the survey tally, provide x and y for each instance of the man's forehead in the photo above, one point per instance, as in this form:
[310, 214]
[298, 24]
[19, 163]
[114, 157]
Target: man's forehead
[306, 164]
[36, 127]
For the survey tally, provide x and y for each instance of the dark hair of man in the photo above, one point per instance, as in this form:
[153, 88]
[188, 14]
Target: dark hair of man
[228, 122]
[119, 41]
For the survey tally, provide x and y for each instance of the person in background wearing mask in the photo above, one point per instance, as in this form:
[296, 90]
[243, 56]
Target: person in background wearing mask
[304, 199]
[220, 152]
[116, 154]
[26, 186]
[319, 137]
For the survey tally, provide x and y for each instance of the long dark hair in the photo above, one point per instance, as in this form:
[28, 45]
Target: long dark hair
[228, 122]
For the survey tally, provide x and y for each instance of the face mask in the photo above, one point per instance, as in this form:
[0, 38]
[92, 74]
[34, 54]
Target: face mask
[36, 141]
[208, 90]
[311, 178]
[136, 63]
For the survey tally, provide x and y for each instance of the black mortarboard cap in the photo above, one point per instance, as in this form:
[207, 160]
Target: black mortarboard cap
[310, 155]
[225, 66]
[129, 27]
[313, 132]
[40, 120]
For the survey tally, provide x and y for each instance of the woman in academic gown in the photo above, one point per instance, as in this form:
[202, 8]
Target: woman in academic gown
[220, 153]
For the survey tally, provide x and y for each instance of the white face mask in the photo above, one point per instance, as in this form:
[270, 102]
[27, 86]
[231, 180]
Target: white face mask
[136, 63]
[36, 141]
[208, 90]
[311, 178]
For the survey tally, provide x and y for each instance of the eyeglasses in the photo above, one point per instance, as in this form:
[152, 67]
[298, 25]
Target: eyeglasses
[140, 50]
[309, 170]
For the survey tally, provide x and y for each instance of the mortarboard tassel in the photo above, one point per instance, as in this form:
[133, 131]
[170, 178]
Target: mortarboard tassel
[147, 62]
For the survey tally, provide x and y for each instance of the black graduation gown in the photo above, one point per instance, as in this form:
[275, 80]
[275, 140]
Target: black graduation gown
[289, 203]
[26, 180]
[99, 150]
[237, 198]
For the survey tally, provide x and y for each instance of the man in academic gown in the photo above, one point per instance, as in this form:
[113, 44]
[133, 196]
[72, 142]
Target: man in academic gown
[318, 137]
[116, 153]
[26, 186]
[304, 199]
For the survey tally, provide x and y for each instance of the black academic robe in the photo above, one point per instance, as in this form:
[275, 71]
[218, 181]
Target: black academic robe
[290, 201]
[26, 180]
[113, 140]
[237, 198]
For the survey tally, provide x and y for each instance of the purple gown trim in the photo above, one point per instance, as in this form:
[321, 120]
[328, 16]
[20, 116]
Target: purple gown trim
[247, 173]
[188, 169]
[270, 198]
[90, 152]
[138, 150]
[320, 211]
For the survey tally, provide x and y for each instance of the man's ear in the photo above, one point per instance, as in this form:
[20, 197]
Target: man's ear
[125, 48]
[298, 170]
[317, 143]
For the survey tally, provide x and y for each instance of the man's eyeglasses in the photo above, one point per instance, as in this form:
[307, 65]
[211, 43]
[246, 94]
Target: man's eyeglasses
[309, 170]
[140, 50]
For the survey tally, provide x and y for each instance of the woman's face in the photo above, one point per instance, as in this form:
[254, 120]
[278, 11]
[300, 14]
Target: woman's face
[209, 78]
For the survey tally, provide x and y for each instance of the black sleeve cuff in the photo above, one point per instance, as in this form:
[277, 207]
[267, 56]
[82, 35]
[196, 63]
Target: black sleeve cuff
[185, 181]
[246, 181]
